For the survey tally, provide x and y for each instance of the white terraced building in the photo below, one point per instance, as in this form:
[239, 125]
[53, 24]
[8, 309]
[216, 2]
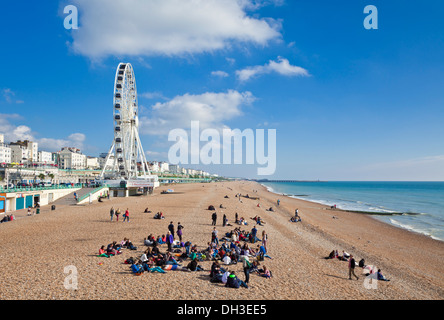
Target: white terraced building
[5, 154]
[45, 157]
[19, 153]
[174, 168]
[24, 151]
[5, 151]
[92, 163]
[71, 158]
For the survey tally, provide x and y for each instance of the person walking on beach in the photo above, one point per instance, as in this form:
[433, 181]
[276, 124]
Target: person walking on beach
[264, 239]
[111, 213]
[169, 240]
[224, 220]
[253, 234]
[278, 201]
[246, 265]
[214, 238]
[117, 213]
[171, 228]
[126, 215]
[351, 268]
[214, 217]
[179, 231]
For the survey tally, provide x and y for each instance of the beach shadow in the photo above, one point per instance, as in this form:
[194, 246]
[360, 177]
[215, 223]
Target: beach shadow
[172, 193]
[338, 277]
[203, 276]
[206, 278]
[124, 272]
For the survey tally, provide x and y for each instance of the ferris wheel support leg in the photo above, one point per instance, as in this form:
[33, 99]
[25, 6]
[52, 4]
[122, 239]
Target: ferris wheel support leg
[106, 161]
[142, 153]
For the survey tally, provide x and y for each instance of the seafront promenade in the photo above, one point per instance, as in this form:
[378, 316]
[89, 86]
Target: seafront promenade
[17, 198]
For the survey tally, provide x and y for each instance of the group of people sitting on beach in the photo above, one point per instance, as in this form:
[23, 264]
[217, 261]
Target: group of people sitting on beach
[185, 256]
[159, 215]
[228, 251]
[159, 240]
[367, 270]
[115, 248]
[153, 260]
[241, 221]
[7, 218]
[220, 274]
[258, 220]
[296, 217]
[231, 253]
[237, 234]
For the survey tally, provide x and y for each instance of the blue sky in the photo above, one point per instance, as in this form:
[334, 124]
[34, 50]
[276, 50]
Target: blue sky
[369, 107]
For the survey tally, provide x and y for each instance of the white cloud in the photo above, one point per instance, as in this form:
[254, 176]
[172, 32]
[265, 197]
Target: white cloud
[74, 140]
[210, 109]
[152, 95]
[231, 61]
[9, 96]
[156, 155]
[168, 27]
[219, 73]
[14, 132]
[282, 66]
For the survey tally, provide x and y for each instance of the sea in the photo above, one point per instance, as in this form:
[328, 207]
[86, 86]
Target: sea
[415, 206]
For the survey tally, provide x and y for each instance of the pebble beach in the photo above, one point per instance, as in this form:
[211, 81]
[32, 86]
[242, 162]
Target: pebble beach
[38, 251]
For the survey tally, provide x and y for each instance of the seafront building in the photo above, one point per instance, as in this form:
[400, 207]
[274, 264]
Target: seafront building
[45, 157]
[92, 163]
[71, 158]
[5, 154]
[24, 151]
[164, 166]
[174, 168]
[19, 154]
[5, 151]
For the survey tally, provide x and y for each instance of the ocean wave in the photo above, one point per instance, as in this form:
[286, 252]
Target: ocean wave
[381, 210]
[402, 225]
[409, 227]
[269, 189]
[371, 210]
[382, 213]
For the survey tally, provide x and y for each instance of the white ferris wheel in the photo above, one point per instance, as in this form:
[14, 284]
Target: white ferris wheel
[126, 151]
